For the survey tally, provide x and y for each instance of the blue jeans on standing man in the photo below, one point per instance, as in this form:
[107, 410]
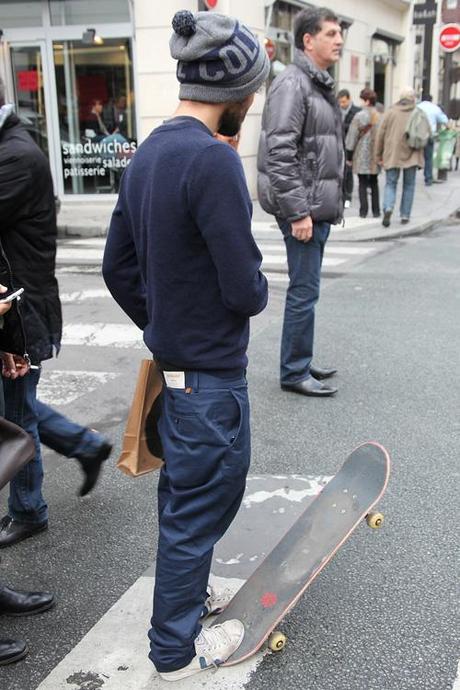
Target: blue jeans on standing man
[204, 430]
[408, 191]
[304, 263]
[26, 503]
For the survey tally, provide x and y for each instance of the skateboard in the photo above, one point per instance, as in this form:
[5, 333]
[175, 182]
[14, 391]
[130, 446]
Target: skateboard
[281, 579]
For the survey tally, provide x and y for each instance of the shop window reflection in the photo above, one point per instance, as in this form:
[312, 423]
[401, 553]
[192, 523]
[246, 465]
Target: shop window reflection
[96, 114]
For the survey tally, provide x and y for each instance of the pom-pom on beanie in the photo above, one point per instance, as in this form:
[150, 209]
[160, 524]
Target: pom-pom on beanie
[219, 59]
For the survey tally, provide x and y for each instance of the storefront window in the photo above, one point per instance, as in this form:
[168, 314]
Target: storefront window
[88, 11]
[19, 13]
[96, 113]
[29, 94]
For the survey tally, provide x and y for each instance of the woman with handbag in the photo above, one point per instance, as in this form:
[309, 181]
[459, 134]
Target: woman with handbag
[16, 448]
[360, 151]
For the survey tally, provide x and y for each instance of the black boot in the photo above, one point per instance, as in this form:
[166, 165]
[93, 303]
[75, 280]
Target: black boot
[91, 466]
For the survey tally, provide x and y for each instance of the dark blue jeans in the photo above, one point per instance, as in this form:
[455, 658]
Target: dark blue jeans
[206, 442]
[64, 436]
[428, 155]
[26, 502]
[304, 263]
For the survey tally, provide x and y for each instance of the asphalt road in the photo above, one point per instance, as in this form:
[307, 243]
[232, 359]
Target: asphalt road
[384, 613]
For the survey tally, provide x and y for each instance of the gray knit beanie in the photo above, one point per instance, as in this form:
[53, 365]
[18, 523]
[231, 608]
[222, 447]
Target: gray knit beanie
[219, 59]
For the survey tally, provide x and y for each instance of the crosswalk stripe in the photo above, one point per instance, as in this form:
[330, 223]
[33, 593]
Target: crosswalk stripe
[114, 653]
[119, 335]
[59, 387]
[78, 254]
[266, 248]
[281, 260]
[82, 295]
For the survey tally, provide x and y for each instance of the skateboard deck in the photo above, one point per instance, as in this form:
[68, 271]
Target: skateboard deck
[281, 579]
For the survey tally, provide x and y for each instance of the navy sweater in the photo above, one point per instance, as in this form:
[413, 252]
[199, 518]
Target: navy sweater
[180, 258]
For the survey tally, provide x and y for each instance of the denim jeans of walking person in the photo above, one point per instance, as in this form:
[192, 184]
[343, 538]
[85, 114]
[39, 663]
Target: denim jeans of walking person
[304, 263]
[65, 436]
[205, 434]
[428, 156]
[26, 503]
[408, 190]
[47, 426]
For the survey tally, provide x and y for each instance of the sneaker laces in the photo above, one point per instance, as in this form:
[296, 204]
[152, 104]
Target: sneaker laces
[215, 636]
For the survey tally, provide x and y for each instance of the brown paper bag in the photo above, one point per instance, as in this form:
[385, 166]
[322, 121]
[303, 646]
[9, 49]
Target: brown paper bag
[141, 451]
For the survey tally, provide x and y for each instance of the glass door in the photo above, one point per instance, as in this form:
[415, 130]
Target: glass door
[29, 91]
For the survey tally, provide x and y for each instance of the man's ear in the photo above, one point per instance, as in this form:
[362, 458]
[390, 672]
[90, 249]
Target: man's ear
[307, 41]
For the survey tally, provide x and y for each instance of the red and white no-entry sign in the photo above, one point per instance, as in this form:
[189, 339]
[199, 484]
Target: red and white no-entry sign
[449, 37]
[210, 4]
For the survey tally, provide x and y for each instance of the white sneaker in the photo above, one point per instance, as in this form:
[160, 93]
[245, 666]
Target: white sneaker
[217, 601]
[213, 646]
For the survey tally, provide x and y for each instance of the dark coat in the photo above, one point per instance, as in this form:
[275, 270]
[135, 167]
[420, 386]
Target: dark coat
[301, 158]
[28, 236]
[348, 119]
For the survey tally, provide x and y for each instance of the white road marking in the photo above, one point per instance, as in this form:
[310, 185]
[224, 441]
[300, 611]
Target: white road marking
[88, 242]
[99, 334]
[82, 295]
[113, 654]
[281, 260]
[288, 494]
[77, 254]
[63, 387]
[276, 277]
[456, 685]
[330, 249]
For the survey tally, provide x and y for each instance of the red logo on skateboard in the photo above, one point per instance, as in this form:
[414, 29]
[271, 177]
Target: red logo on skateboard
[268, 600]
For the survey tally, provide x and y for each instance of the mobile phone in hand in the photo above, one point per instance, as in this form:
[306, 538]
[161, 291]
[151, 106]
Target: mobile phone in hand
[9, 297]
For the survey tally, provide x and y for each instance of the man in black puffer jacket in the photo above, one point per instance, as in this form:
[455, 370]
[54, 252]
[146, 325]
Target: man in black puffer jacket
[27, 259]
[301, 164]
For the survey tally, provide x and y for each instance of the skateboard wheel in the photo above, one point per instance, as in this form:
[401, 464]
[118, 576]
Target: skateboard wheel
[374, 520]
[276, 641]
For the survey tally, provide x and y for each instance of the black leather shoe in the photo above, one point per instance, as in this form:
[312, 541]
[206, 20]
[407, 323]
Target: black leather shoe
[14, 603]
[11, 532]
[92, 465]
[11, 651]
[320, 374]
[311, 387]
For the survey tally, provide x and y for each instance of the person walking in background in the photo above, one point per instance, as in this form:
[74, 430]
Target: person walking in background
[348, 111]
[301, 165]
[436, 118]
[360, 151]
[28, 251]
[181, 261]
[395, 154]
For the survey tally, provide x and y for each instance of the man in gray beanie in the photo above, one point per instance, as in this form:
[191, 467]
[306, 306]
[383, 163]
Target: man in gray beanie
[181, 261]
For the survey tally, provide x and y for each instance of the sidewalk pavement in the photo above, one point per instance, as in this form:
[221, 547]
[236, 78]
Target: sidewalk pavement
[432, 206]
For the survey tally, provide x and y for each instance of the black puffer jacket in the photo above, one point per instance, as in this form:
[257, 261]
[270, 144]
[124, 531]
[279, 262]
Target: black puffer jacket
[301, 157]
[28, 236]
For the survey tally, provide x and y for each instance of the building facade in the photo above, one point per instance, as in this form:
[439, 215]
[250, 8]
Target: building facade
[92, 78]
